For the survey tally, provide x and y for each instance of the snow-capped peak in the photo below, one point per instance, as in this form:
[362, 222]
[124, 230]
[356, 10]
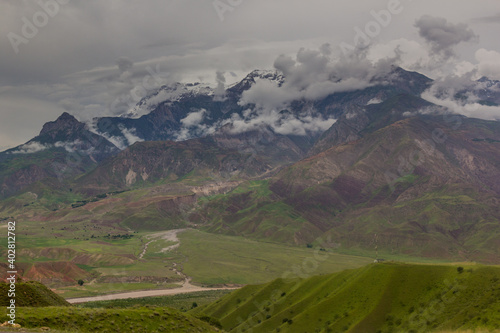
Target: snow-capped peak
[177, 91]
[168, 94]
[252, 77]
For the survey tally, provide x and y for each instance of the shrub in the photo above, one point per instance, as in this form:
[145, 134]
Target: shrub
[212, 321]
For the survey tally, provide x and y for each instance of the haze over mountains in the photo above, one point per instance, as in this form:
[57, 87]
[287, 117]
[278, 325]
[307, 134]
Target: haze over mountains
[353, 155]
[266, 166]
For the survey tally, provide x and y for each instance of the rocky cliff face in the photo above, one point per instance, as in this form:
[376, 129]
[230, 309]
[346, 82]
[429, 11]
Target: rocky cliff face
[360, 120]
[63, 149]
[416, 179]
[149, 162]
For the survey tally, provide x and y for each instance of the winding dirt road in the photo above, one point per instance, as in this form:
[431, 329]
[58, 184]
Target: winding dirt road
[186, 287]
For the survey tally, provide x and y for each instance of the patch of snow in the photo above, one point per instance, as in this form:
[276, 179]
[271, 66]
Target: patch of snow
[169, 94]
[374, 100]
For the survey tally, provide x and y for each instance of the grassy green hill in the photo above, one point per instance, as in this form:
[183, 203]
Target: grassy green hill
[143, 319]
[388, 297]
[32, 294]
[37, 306]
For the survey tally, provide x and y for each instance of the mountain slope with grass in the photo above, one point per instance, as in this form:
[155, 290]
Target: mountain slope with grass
[394, 172]
[31, 294]
[427, 185]
[142, 319]
[388, 297]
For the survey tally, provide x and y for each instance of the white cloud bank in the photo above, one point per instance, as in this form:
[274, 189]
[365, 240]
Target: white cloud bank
[30, 148]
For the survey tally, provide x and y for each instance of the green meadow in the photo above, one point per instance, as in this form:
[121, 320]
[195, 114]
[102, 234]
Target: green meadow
[388, 297]
[212, 259]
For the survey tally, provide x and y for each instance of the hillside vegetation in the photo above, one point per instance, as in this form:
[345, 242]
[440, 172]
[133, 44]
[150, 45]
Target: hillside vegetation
[37, 307]
[388, 297]
[70, 319]
[441, 202]
[32, 294]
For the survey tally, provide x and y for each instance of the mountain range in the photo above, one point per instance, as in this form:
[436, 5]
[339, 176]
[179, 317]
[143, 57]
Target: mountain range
[374, 167]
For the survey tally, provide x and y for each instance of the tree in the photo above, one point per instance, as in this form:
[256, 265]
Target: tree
[80, 282]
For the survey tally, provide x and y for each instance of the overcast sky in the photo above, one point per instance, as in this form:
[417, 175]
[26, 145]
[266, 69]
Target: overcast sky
[81, 55]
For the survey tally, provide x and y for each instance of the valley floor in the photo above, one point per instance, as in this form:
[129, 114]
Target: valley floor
[187, 287]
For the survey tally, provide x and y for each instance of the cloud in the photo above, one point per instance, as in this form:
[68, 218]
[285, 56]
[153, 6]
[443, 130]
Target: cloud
[410, 54]
[74, 146]
[303, 125]
[489, 63]
[194, 118]
[220, 90]
[464, 68]
[71, 63]
[130, 135]
[315, 74]
[267, 94]
[311, 75]
[124, 64]
[466, 108]
[488, 19]
[450, 85]
[459, 94]
[443, 36]
[116, 140]
[429, 110]
[70, 147]
[193, 127]
[30, 148]
[287, 124]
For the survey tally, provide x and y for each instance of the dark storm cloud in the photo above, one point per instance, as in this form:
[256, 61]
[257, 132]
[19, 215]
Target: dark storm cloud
[71, 61]
[443, 36]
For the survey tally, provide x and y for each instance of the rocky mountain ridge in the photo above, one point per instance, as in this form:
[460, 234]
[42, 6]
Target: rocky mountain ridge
[390, 163]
